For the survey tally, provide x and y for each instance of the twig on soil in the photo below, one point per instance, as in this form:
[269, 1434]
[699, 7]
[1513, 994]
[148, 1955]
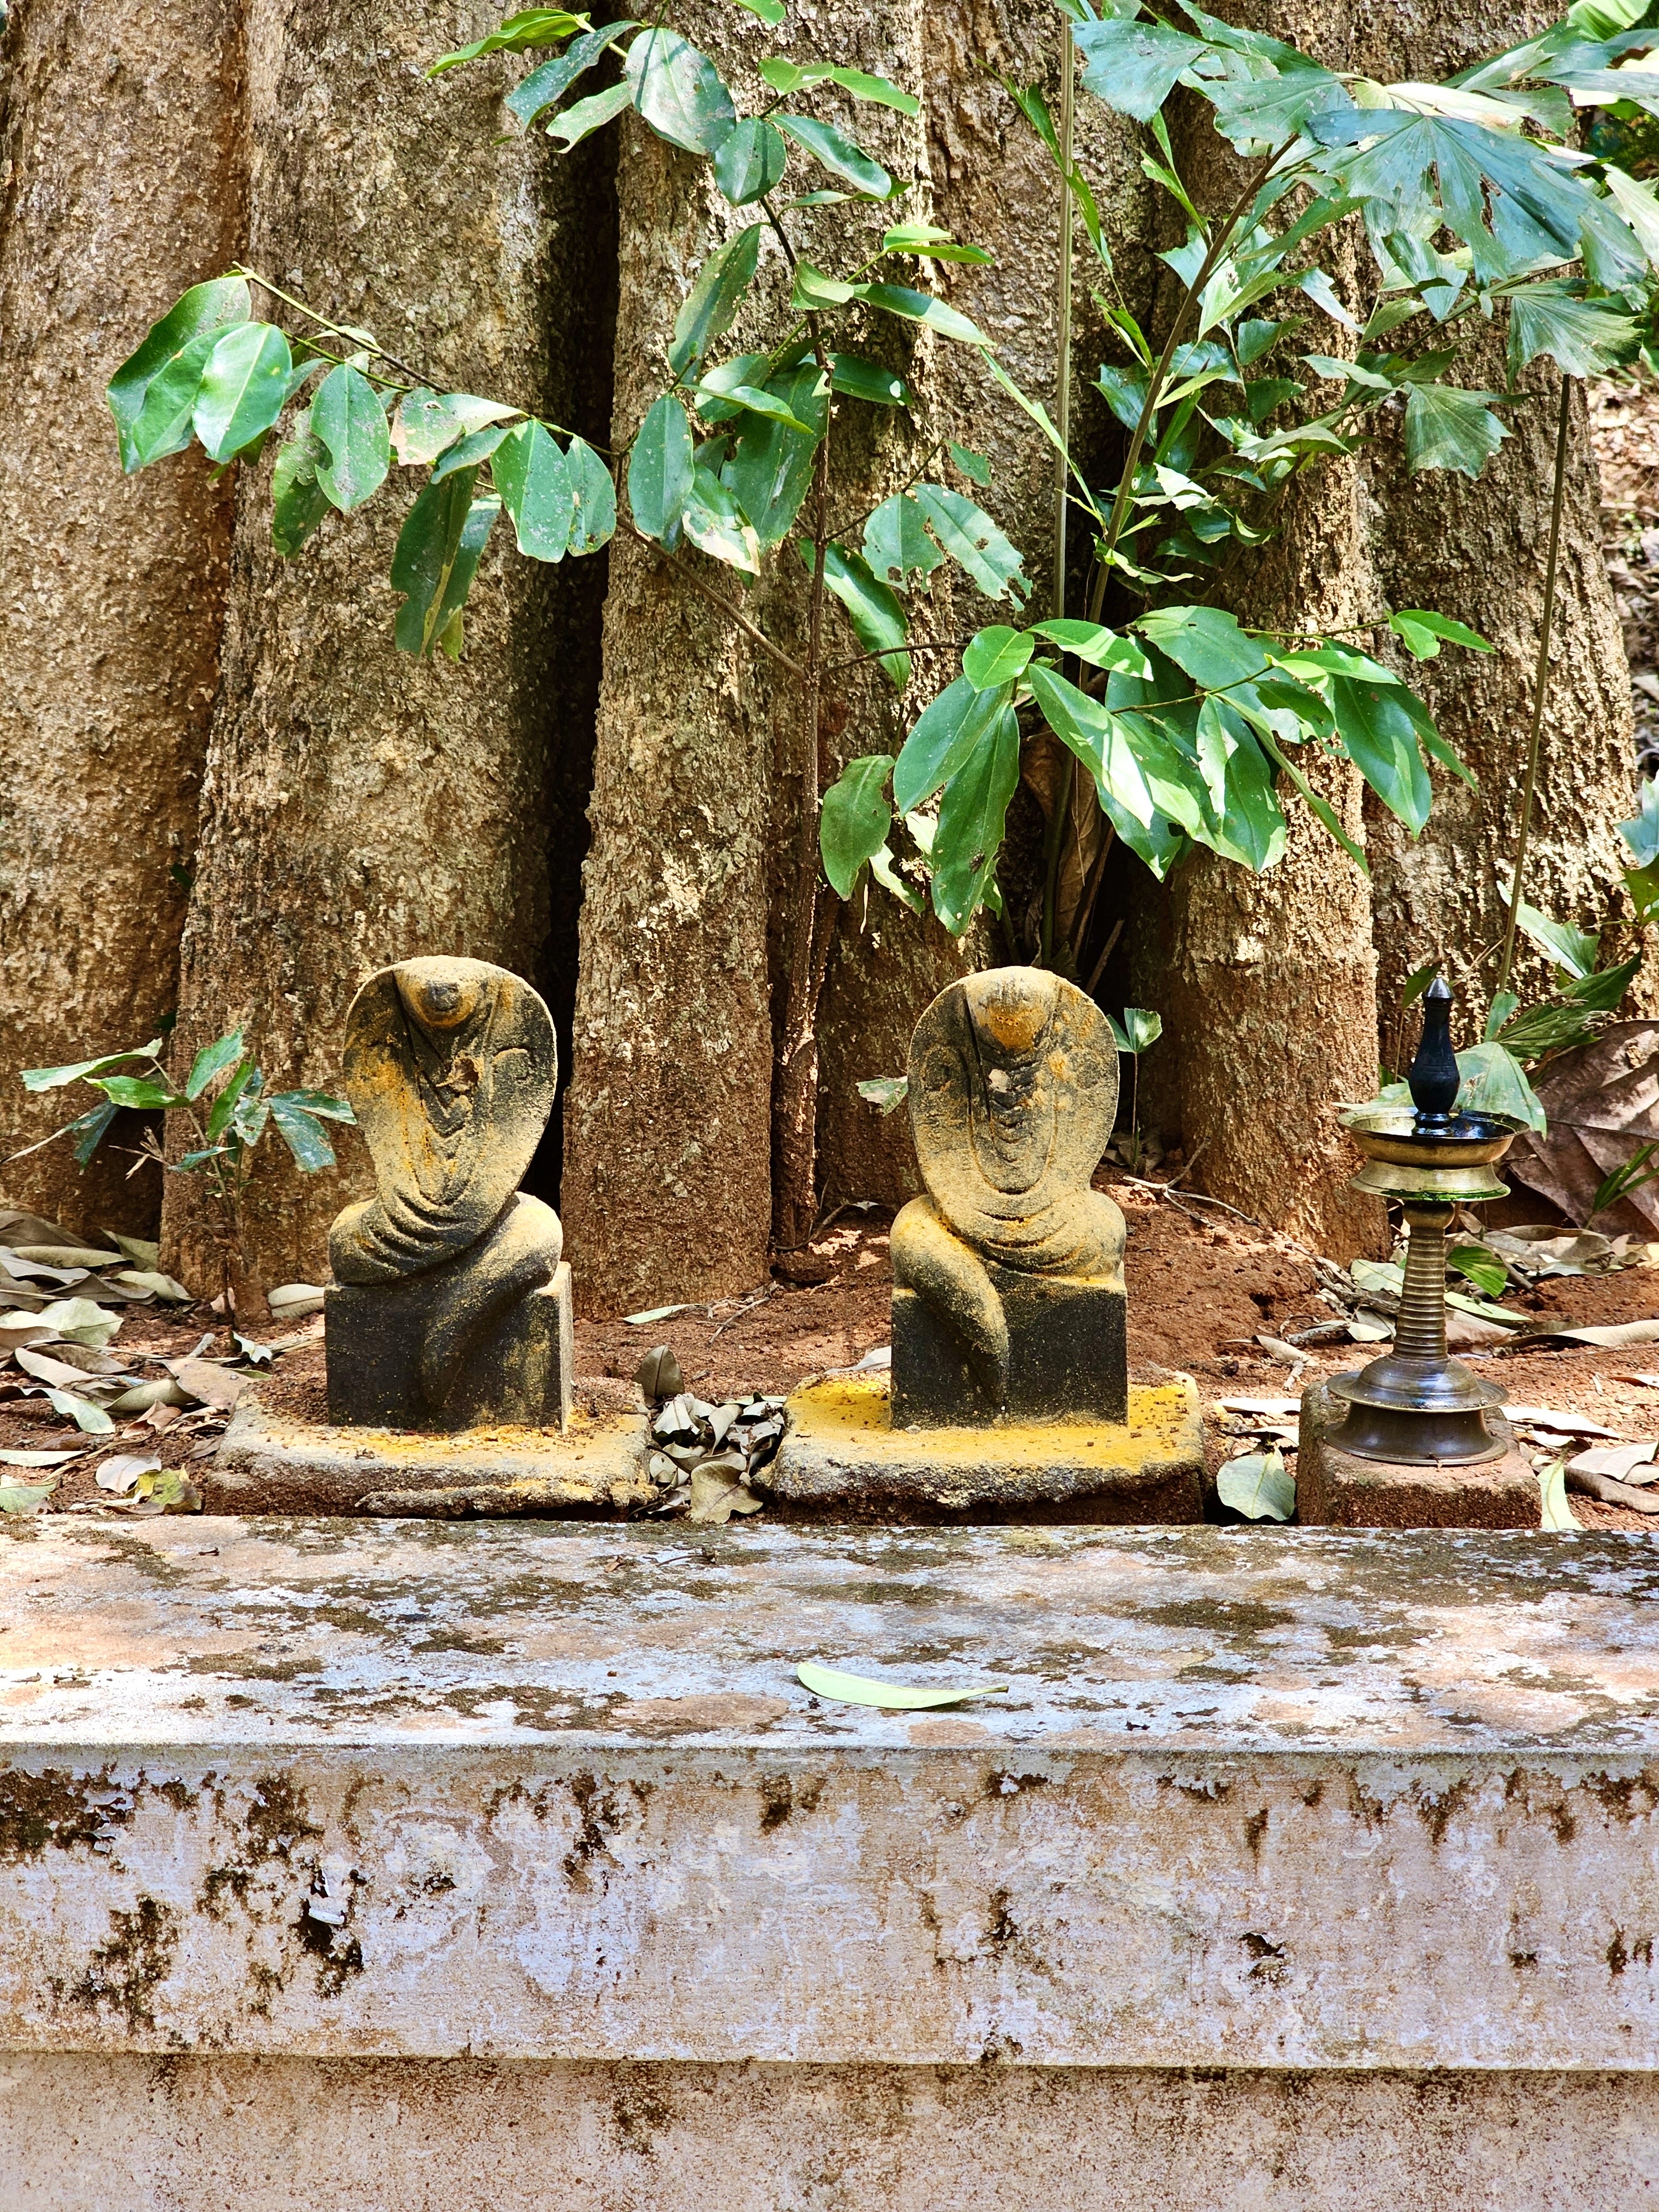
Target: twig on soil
[1197, 1197]
[770, 1291]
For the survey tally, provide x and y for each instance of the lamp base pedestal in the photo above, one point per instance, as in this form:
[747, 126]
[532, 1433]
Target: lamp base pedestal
[1339, 1489]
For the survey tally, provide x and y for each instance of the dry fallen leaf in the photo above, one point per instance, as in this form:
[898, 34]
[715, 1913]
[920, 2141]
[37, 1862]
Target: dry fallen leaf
[1602, 1101]
[1620, 1462]
[214, 1385]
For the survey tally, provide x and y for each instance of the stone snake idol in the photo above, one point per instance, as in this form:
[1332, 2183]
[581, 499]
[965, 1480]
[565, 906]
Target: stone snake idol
[453, 1307]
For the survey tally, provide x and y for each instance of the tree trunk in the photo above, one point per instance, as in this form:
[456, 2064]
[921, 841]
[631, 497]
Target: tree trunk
[361, 807]
[1476, 551]
[119, 187]
[697, 878]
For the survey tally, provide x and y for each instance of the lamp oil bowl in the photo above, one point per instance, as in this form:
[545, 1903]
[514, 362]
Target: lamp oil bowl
[1416, 1405]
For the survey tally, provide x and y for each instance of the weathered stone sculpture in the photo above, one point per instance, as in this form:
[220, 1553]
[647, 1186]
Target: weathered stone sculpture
[1008, 1292]
[454, 1305]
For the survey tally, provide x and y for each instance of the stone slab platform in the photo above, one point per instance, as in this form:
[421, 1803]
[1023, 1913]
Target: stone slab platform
[842, 1459]
[307, 1792]
[268, 1462]
[1337, 1489]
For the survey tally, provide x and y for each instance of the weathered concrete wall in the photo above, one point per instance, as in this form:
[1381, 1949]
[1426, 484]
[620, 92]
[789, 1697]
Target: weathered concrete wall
[297, 2135]
[1252, 1800]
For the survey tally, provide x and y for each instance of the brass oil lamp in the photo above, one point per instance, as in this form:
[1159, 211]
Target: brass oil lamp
[1416, 1405]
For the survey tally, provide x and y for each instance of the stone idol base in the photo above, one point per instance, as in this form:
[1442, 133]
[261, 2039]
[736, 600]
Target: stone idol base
[521, 1371]
[842, 1459]
[1338, 1490]
[270, 1463]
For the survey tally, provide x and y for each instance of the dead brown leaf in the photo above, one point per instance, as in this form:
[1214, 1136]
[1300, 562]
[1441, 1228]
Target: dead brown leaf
[1602, 1101]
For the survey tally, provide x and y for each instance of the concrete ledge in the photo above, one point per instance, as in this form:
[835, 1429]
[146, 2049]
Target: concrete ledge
[1261, 1800]
[198, 2134]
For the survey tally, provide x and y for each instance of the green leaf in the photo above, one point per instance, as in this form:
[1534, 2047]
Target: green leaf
[854, 819]
[468, 452]
[887, 875]
[1494, 1082]
[723, 279]
[322, 1103]
[785, 77]
[1095, 645]
[890, 1697]
[532, 27]
[974, 466]
[769, 11]
[136, 1091]
[166, 422]
[1640, 833]
[1258, 1485]
[1421, 633]
[995, 657]
[1555, 1513]
[1585, 338]
[715, 524]
[304, 1135]
[584, 117]
[877, 617]
[770, 468]
[972, 814]
[974, 542]
[927, 241]
[348, 423]
[244, 388]
[885, 1091]
[1131, 67]
[1446, 429]
[660, 470]
[212, 1059]
[895, 542]
[437, 556]
[750, 162]
[531, 99]
[914, 306]
[224, 1106]
[530, 473]
[88, 1131]
[298, 502]
[836, 153]
[945, 735]
[868, 380]
[1206, 643]
[594, 519]
[1479, 1267]
[202, 314]
[428, 424]
[55, 1079]
[1570, 948]
[1101, 743]
[1139, 1029]
[1381, 740]
[678, 92]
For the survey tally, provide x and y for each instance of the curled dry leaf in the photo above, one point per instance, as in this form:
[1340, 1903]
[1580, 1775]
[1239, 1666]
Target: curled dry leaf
[1608, 1492]
[1629, 1463]
[1602, 1101]
[121, 1472]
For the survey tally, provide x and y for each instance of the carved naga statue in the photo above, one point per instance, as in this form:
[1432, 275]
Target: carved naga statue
[450, 1065]
[1013, 1085]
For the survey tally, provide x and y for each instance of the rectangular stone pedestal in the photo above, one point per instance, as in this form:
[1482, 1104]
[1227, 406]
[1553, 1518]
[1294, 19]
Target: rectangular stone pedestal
[520, 1373]
[1336, 1489]
[1067, 1356]
[842, 1459]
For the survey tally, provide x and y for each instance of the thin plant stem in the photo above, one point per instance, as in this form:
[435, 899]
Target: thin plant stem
[1065, 795]
[1540, 680]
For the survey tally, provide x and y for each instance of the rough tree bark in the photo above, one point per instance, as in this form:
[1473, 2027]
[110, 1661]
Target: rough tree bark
[360, 807]
[1477, 551]
[112, 589]
[691, 888]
